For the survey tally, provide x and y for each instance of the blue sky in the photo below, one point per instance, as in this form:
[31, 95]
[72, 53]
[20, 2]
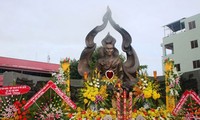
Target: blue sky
[34, 29]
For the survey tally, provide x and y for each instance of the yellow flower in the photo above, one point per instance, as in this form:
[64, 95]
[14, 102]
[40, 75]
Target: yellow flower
[85, 101]
[134, 115]
[97, 117]
[78, 109]
[151, 113]
[94, 113]
[96, 89]
[93, 99]
[102, 115]
[106, 111]
[85, 94]
[65, 66]
[78, 115]
[156, 95]
[167, 89]
[157, 113]
[168, 66]
[94, 93]
[147, 94]
[89, 96]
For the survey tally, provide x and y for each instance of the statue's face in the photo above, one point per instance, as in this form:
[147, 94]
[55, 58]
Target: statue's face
[109, 49]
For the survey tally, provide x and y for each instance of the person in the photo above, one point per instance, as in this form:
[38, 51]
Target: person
[109, 59]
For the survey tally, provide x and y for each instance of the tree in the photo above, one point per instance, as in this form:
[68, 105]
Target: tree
[74, 70]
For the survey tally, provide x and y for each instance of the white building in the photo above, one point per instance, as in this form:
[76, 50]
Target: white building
[181, 43]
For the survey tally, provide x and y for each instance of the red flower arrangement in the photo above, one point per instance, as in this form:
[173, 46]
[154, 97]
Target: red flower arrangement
[21, 114]
[12, 109]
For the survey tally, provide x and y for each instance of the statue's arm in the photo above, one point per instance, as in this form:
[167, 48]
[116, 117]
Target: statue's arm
[86, 54]
[132, 63]
[89, 40]
[126, 43]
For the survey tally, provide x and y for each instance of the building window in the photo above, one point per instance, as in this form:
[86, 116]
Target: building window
[194, 44]
[178, 67]
[192, 25]
[169, 49]
[196, 64]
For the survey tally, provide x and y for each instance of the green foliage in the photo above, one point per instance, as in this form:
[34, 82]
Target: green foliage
[142, 67]
[74, 69]
[94, 59]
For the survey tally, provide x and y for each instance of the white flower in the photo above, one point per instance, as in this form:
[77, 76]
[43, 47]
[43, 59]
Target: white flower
[176, 93]
[53, 74]
[107, 117]
[171, 92]
[97, 83]
[90, 84]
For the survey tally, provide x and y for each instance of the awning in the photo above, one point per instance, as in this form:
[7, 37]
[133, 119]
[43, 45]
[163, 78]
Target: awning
[177, 25]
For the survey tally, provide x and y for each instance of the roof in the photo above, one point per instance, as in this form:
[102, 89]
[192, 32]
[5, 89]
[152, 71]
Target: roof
[27, 65]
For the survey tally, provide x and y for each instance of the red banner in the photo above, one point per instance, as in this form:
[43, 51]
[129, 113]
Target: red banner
[37, 95]
[14, 90]
[195, 96]
[183, 99]
[63, 96]
[181, 102]
[53, 86]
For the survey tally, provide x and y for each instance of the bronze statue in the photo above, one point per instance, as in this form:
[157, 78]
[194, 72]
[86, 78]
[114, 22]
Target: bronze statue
[109, 55]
